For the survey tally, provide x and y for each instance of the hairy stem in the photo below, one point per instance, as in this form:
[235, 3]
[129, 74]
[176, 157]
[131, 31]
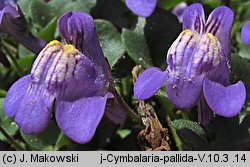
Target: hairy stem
[136, 118]
[177, 140]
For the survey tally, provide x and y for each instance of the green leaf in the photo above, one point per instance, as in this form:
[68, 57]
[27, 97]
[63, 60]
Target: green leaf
[230, 133]
[243, 11]
[44, 141]
[59, 7]
[161, 29]
[212, 3]
[42, 13]
[181, 123]
[9, 76]
[110, 40]
[6, 122]
[48, 33]
[191, 134]
[25, 7]
[23, 52]
[192, 141]
[136, 45]
[169, 4]
[123, 133]
[26, 62]
[114, 11]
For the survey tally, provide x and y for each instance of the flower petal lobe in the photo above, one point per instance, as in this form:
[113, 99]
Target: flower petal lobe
[79, 119]
[219, 23]
[149, 82]
[143, 8]
[194, 18]
[34, 112]
[245, 33]
[12, 100]
[182, 92]
[225, 101]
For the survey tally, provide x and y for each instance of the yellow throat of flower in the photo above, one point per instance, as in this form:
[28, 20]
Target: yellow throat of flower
[70, 49]
[54, 42]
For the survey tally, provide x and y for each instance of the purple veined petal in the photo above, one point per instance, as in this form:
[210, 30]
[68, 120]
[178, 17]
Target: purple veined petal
[179, 10]
[78, 29]
[149, 82]
[224, 101]
[43, 62]
[143, 8]
[194, 18]
[219, 23]
[67, 73]
[184, 93]
[34, 111]
[245, 33]
[88, 80]
[79, 119]
[15, 94]
[194, 54]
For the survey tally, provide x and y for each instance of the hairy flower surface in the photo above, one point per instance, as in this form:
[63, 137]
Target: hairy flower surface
[198, 66]
[73, 78]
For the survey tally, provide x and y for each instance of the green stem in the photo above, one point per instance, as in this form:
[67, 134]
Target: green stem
[14, 60]
[129, 111]
[177, 140]
[11, 141]
[161, 93]
[59, 139]
[11, 47]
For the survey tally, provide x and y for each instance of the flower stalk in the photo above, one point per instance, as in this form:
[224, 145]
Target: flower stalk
[11, 141]
[14, 60]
